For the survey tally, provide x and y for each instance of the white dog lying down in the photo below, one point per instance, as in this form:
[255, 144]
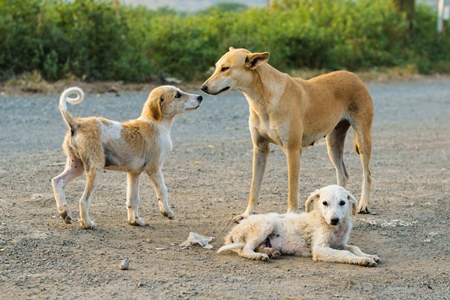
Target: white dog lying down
[322, 232]
[92, 144]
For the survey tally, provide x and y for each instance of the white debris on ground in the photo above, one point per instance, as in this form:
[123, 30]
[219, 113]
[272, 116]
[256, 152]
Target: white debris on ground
[386, 223]
[195, 238]
[124, 264]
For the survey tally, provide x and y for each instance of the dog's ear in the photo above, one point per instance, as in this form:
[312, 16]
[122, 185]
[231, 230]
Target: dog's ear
[254, 60]
[231, 49]
[152, 108]
[310, 201]
[353, 202]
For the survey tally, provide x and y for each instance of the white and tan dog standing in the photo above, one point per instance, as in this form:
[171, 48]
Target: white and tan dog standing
[92, 144]
[322, 232]
[294, 113]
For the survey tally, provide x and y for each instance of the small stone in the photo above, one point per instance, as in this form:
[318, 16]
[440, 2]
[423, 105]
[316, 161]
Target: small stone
[124, 264]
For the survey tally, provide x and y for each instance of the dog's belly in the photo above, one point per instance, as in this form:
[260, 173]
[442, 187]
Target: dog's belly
[292, 245]
[136, 165]
[121, 162]
[309, 136]
[309, 140]
[279, 138]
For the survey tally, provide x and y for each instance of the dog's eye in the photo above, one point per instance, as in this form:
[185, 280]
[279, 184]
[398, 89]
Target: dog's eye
[342, 203]
[325, 203]
[224, 69]
[178, 95]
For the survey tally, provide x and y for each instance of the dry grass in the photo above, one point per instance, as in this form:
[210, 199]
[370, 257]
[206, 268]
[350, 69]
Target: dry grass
[33, 83]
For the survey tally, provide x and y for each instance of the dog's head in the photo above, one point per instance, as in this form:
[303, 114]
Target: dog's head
[333, 202]
[169, 101]
[234, 70]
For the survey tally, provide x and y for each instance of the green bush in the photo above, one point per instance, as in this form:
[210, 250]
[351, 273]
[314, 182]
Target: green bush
[21, 46]
[95, 39]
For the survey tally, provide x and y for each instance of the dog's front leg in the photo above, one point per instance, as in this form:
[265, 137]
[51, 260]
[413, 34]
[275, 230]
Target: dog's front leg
[328, 254]
[133, 200]
[293, 159]
[355, 250]
[157, 179]
[260, 153]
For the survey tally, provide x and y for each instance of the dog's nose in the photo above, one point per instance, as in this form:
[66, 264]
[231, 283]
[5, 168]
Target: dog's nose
[334, 221]
[204, 88]
[199, 98]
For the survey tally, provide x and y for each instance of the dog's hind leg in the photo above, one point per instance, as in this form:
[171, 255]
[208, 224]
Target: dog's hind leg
[157, 179]
[74, 168]
[248, 251]
[335, 145]
[360, 117]
[256, 241]
[92, 177]
[133, 200]
[363, 147]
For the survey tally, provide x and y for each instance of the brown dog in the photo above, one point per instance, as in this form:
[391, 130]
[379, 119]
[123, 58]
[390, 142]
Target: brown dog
[94, 143]
[294, 113]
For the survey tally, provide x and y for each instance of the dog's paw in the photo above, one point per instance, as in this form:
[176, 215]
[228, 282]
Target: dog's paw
[275, 254]
[165, 211]
[66, 217]
[88, 224]
[375, 258]
[263, 257]
[269, 251]
[367, 262]
[363, 210]
[255, 256]
[238, 218]
[137, 222]
[169, 215]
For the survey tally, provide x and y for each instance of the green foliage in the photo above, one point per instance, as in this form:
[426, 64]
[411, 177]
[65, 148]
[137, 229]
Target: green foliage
[96, 39]
[83, 37]
[226, 6]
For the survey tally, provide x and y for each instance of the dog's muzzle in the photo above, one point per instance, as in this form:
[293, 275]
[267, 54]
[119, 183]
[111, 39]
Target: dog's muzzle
[205, 89]
[199, 100]
[334, 222]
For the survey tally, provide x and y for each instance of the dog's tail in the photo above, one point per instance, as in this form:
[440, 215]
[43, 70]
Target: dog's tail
[231, 247]
[68, 118]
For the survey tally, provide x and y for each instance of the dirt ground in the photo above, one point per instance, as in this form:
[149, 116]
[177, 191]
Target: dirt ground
[208, 175]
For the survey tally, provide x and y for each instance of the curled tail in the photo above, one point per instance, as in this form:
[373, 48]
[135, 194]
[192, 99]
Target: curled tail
[231, 247]
[68, 118]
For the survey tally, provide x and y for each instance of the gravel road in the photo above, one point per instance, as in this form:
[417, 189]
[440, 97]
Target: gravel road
[208, 174]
